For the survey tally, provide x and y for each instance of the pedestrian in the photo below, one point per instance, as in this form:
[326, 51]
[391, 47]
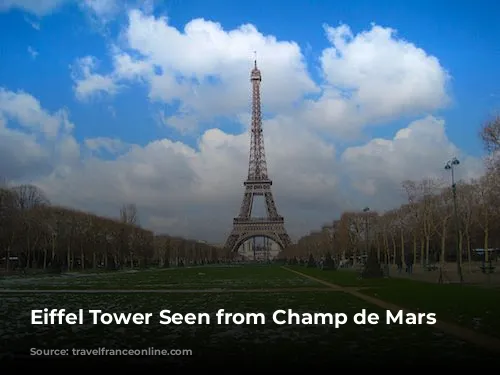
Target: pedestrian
[409, 263]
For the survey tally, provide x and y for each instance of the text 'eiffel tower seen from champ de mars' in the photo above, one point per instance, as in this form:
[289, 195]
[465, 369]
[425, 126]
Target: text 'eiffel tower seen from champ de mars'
[258, 183]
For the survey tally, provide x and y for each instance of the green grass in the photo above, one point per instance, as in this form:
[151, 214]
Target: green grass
[470, 306]
[269, 342]
[349, 278]
[234, 277]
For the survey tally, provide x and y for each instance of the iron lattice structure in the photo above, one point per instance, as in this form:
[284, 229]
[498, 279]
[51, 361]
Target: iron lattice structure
[257, 184]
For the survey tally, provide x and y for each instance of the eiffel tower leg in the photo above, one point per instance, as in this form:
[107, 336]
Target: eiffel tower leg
[246, 205]
[231, 241]
[272, 212]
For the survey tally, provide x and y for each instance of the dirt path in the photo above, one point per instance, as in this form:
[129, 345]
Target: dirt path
[479, 339]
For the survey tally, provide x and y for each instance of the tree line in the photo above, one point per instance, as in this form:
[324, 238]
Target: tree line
[37, 235]
[424, 228]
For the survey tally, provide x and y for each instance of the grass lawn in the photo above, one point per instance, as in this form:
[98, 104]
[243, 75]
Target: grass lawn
[209, 277]
[294, 344]
[470, 306]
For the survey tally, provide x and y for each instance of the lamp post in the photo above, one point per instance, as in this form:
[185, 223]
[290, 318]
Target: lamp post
[367, 235]
[450, 166]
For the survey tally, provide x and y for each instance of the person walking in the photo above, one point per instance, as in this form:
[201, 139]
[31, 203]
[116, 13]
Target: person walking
[409, 263]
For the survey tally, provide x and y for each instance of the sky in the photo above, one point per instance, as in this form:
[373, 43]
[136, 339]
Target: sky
[105, 103]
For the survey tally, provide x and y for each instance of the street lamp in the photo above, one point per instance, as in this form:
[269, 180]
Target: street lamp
[450, 166]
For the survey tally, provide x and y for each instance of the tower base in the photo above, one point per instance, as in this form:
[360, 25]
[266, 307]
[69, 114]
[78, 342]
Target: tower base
[244, 229]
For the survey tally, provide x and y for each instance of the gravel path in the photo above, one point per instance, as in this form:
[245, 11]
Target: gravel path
[479, 339]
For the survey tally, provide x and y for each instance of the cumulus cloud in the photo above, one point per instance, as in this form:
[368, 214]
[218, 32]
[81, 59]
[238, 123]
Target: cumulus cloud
[368, 78]
[33, 142]
[356, 70]
[27, 111]
[421, 149]
[89, 84]
[213, 85]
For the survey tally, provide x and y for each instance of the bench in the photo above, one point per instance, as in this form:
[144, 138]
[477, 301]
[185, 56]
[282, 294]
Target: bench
[431, 267]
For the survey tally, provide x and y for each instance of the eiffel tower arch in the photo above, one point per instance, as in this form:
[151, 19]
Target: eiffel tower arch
[257, 184]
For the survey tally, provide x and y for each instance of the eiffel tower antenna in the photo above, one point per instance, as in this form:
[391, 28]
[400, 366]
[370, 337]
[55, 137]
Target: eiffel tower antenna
[257, 184]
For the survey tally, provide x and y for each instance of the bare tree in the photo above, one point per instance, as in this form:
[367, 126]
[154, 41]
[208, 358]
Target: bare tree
[427, 190]
[414, 212]
[490, 134]
[486, 201]
[128, 214]
[467, 212]
[30, 196]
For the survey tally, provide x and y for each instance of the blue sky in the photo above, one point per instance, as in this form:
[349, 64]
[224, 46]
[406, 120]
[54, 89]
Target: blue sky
[462, 35]
[459, 39]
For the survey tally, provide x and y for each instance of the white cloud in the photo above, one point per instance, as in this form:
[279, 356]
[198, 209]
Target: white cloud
[209, 65]
[26, 110]
[374, 77]
[36, 7]
[113, 146]
[101, 12]
[101, 8]
[205, 53]
[89, 84]
[33, 24]
[33, 53]
[421, 149]
[33, 142]
[195, 191]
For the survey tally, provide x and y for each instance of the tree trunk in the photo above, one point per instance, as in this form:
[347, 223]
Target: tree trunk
[394, 250]
[45, 255]
[53, 248]
[443, 243]
[82, 257]
[422, 252]
[414, 249]
[427, 248]
[469, 251]
[7, 259]
[378, 249]
[402, 248]
[28, 251]
[486, 244]
[460, 246]
[68, 256]
[386, 245]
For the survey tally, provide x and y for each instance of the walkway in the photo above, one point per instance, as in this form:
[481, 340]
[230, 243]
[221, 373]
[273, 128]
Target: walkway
[479, 339]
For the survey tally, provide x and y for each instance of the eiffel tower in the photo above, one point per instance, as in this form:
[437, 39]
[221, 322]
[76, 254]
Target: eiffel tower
[257, 184]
